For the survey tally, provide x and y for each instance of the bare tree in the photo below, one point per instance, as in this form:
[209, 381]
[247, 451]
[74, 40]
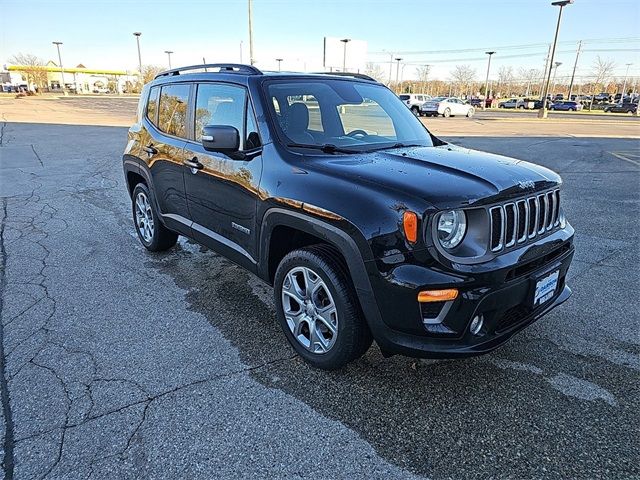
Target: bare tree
[528, 76]
[375, 71]
[149, 72]
[463, 76]
[505, 77]
[423, 73]
[32, 67]
[602, 69]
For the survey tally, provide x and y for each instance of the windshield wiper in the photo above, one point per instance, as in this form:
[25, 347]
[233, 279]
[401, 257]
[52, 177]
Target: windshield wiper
[326, 148]
[397, 145]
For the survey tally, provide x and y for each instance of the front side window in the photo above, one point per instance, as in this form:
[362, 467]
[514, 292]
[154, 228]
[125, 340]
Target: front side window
[342, 113]
[172, 113]
[219, 104]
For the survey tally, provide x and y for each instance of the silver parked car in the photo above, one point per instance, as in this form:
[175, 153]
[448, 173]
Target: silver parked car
[414, 101]
[447, 107]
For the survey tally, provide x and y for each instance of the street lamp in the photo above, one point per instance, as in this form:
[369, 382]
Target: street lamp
[279, 60]
[398, 70]
[344, 53]
[542, 113]
[486, 82]
[555, 71]
[137, 35]
[169, 52]
[624, 85]
[57, 44]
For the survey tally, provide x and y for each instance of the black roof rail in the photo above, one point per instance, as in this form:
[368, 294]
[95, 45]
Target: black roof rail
[222, 68]
[361, 76]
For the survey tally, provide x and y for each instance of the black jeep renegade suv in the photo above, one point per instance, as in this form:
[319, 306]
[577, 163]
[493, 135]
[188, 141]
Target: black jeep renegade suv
[368, 227]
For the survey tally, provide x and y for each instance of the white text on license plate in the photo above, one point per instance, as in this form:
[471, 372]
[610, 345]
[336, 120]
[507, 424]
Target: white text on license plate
[545, 288]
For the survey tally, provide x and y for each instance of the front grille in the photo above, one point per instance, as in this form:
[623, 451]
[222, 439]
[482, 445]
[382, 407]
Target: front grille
[514, 222]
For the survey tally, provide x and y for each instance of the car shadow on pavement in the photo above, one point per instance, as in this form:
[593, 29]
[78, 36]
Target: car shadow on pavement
[530, 410]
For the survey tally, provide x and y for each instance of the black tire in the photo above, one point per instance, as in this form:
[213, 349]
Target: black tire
[415, 111]
[353, 335]
[162, 238]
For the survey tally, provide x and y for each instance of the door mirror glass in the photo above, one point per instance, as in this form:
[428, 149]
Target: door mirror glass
[220, 138]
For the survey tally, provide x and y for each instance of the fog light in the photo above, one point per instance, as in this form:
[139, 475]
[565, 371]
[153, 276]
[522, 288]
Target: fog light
[476, 324]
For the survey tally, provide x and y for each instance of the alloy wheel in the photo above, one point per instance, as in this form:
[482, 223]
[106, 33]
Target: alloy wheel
[144, 217]
[309, 310]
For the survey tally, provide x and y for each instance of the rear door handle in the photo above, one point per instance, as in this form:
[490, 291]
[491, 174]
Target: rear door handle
[150, 150]
[193, 163]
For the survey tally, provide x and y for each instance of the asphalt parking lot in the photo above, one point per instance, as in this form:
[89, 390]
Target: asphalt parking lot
[119, 363]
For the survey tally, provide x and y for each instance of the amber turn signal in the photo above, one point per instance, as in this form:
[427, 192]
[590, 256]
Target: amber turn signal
[427, 296]
[410, 224]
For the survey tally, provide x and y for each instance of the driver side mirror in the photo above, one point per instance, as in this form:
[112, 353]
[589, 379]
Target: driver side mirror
[220, 138]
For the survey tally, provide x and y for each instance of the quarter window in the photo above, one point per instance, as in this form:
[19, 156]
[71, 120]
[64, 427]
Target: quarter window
[152, 105]
[174, 100]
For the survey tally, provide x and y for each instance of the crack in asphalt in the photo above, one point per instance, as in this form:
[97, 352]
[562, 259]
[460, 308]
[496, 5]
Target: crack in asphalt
[8, 460]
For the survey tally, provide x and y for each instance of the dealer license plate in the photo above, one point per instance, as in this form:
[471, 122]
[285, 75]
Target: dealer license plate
[545, 288]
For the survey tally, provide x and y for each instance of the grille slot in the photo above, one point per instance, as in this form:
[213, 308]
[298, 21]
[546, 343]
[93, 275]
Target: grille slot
[497, 228]
[515, 222]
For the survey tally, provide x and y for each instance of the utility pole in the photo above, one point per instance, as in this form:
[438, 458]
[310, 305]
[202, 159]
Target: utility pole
[344, 53]
[64, 88]
[251, 57]
[486, 82]
[137, 35]
[169, 52]
[240, 51]
[390, 67]
[426, 77]
[555, 71]
[398, 70]
[624, 85]
[279, 60]
[546, 68]
[542, 113]
[575, 65]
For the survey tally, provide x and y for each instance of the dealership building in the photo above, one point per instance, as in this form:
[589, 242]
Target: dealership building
[79, 79]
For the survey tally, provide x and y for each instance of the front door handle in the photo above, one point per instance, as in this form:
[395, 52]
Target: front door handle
[193, 163]
[150, 150]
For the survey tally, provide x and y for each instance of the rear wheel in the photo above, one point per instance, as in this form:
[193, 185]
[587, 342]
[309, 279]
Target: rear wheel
[151, 232]
[318, 309]
[446, 113]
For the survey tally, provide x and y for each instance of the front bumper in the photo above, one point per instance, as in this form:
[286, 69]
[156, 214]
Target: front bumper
[504, 298]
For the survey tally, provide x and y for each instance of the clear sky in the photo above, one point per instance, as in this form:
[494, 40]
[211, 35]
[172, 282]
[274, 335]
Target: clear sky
[99, 34]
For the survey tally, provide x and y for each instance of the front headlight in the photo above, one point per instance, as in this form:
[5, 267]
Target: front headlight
[452, 226]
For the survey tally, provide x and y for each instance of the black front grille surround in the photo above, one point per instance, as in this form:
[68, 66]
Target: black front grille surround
[525, 219]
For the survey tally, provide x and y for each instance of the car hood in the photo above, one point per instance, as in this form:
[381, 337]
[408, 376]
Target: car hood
[446, 176]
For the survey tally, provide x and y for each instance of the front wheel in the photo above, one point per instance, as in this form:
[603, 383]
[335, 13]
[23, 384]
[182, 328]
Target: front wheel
[446, 113]
[470, 112]
[152, 233]
[318, 309]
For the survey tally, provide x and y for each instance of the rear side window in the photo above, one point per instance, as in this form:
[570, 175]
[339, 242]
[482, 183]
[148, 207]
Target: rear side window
[152, 105]
[172, 118]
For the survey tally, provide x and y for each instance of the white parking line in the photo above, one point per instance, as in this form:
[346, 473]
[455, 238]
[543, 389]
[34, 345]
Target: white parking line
[625, 156]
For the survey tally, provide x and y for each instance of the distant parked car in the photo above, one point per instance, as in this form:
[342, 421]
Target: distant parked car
[414, 101]
[517, 103]
[447, 107]
[626, 107]
[602, 97]
[566, 106]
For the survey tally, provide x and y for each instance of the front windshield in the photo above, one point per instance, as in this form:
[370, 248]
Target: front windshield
[341, 113]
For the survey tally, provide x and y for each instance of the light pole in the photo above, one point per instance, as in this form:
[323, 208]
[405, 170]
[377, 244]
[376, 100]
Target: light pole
[137, 35]
[624, 84]
[57, 44]
[555, 71]
[486, 82]
[344, 53]
[542, 113]
[251, 58]
[398, 70]
[279, 60]
[169, 52]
